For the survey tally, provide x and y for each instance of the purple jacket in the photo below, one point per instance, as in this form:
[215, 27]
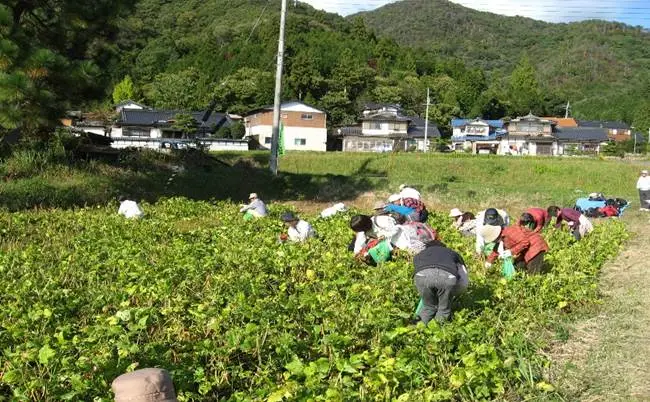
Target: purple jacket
[568, 215]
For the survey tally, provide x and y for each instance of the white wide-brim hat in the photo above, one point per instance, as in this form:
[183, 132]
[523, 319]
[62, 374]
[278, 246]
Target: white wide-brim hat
[490, 233]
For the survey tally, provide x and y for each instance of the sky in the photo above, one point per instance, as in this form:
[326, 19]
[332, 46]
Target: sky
[632, 12]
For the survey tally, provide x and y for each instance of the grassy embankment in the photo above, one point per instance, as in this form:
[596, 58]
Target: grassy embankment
[466, 181]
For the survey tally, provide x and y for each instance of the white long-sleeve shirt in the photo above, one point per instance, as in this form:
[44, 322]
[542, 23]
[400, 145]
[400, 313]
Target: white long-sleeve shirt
[643, 183]
[301, 232]
[383, 226]
[256, 207]
[130, 209]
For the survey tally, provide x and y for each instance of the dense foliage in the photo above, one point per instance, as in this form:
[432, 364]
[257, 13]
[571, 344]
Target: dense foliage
[233, 314]
[182, 54]
[49, 57]
[601, 67]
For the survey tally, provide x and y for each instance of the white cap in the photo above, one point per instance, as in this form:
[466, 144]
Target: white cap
[401, 187]
[394, 197]
[253, 195]
[644, 172]
[455, 213]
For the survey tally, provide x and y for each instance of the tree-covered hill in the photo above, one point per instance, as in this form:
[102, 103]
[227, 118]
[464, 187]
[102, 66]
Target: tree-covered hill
[185, 53]
[602, 67]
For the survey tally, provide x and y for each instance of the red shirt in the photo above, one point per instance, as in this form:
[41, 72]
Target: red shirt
[540, 216]
[522, 243]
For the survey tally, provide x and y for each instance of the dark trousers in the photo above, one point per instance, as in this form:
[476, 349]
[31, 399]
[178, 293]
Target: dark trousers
[644, 197]
[436, 287]
[537, 265]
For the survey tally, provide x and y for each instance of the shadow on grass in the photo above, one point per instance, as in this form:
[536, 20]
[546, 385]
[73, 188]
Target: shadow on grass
[145, 176]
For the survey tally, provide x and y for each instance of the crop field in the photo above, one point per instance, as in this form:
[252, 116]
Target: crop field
[233, 315]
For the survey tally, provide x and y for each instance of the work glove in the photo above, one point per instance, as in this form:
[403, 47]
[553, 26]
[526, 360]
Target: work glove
[506, 254]
[488, 265]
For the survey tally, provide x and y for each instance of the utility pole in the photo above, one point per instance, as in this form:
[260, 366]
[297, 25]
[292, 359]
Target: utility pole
[426, 122]
[275, 133]
[566, 113]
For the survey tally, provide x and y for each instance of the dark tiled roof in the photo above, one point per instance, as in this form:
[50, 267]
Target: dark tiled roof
[612, 125]
[416, 128]
[586, 134]
[135, 117]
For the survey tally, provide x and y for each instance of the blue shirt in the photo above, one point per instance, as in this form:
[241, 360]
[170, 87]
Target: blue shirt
[399, 209]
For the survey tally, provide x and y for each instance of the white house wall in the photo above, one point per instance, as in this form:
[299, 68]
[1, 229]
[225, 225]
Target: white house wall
[316, 138]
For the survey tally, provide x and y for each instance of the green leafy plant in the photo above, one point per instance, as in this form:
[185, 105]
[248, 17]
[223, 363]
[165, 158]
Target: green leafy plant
[234, 315]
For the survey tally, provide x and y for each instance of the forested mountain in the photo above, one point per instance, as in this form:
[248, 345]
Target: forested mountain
[602, 67]
[185, 53]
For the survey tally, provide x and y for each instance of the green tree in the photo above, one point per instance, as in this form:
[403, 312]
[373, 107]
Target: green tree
[124, 90]
[186, 124]
[339, 108]
[246, 89]
[524, 90]
[46, 53]
[181, 90]
[237, 130]
[304, 77]
[350, 75]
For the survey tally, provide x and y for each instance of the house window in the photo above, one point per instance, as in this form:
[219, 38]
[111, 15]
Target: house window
[267, 140]
[135, 132]
[307, 116]
[300, 141]
[375, 125]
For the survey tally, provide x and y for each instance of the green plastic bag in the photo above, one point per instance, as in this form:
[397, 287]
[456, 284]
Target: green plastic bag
[381, 252]
[419, 307]
[488, 248]
[248, 216]
[508, 268]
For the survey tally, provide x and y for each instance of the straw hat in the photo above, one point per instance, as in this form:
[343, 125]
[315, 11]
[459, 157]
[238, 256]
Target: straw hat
[490, 233]
[146, 385]
[455, 213]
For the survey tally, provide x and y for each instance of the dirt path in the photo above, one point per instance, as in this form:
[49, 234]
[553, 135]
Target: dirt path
[607, 358]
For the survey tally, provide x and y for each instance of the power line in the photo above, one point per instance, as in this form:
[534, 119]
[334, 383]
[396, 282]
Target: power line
[258, 21]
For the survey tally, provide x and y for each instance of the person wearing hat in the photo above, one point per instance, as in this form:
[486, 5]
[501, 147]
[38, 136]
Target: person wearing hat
[145, 385]
[643, 185]
[419, 214]
[129, 209]
[439, 275]
[490, 216]
[298, 230]
[368, 228]
[255, 208]
[527, 247]
[394, 209]
[465, 222]
[579, 224]
[408, 192]
[455, 214]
